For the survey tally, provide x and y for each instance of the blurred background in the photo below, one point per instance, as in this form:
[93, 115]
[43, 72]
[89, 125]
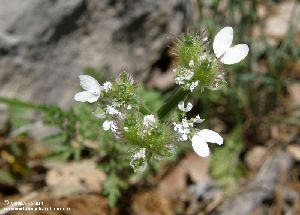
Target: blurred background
[46, 44]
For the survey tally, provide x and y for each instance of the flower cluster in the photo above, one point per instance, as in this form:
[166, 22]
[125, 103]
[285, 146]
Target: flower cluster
[198, 66]
[149, 134]
[138, 161]
[185, 130]
[123, 114]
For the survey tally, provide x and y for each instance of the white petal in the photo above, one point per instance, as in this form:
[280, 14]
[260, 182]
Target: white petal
[223, 41]
[86, 97]
[89, 84]
[200, 146]
[184, 137]
[181, 106]
[106, 125]
[191, 64]
[189, 107]
[210, 136]
[235, 54]
[197, 119]
[100, 115]
[107, 86]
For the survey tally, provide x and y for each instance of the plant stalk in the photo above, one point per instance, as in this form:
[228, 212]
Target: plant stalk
[172, 102]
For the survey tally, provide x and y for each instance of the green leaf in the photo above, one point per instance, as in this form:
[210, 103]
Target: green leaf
[226, 167]
[6, 178]
[113, 185]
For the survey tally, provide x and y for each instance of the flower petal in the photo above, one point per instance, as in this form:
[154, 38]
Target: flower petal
[100, 115]
[210, 136]
[106, 125]
[200, 146]
[181, 105]
[235, 54]
[222, 41]
[86, 97]
[90, 84]
[188, 107]
[197, 119]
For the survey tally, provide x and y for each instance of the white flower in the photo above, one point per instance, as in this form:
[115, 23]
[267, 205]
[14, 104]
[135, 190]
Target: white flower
[191, 64]
[183, 129]
[149, 121]
[200, 139]
[183, 75]
[188, 107]
[193, 85]
[107, 86]
[109, 125]
[197, 119]
[223, 51]
[111, 110]
[129, 107]
[92, 89]
[139, 156]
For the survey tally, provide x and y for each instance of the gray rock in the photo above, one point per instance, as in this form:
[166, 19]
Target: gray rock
[262, 187]
[48, 43]
[48, 20]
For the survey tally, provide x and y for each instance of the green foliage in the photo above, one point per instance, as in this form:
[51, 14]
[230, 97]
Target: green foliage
[77, 126]
[226, 167]
[112, 188]
[6, 178]
[157, 144]
[16, 117]
[254, 87]
[152, 99]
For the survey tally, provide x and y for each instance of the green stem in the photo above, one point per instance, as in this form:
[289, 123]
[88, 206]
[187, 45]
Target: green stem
[30, 105]
[145, 111]
[18, 102]
[172, 102]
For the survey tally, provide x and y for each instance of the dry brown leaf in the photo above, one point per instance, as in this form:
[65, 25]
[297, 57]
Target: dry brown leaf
[151, 203]
[294, 150]
[75, 177]
[192, 166]
[174, 182]
[197, 167]
[294, 94]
